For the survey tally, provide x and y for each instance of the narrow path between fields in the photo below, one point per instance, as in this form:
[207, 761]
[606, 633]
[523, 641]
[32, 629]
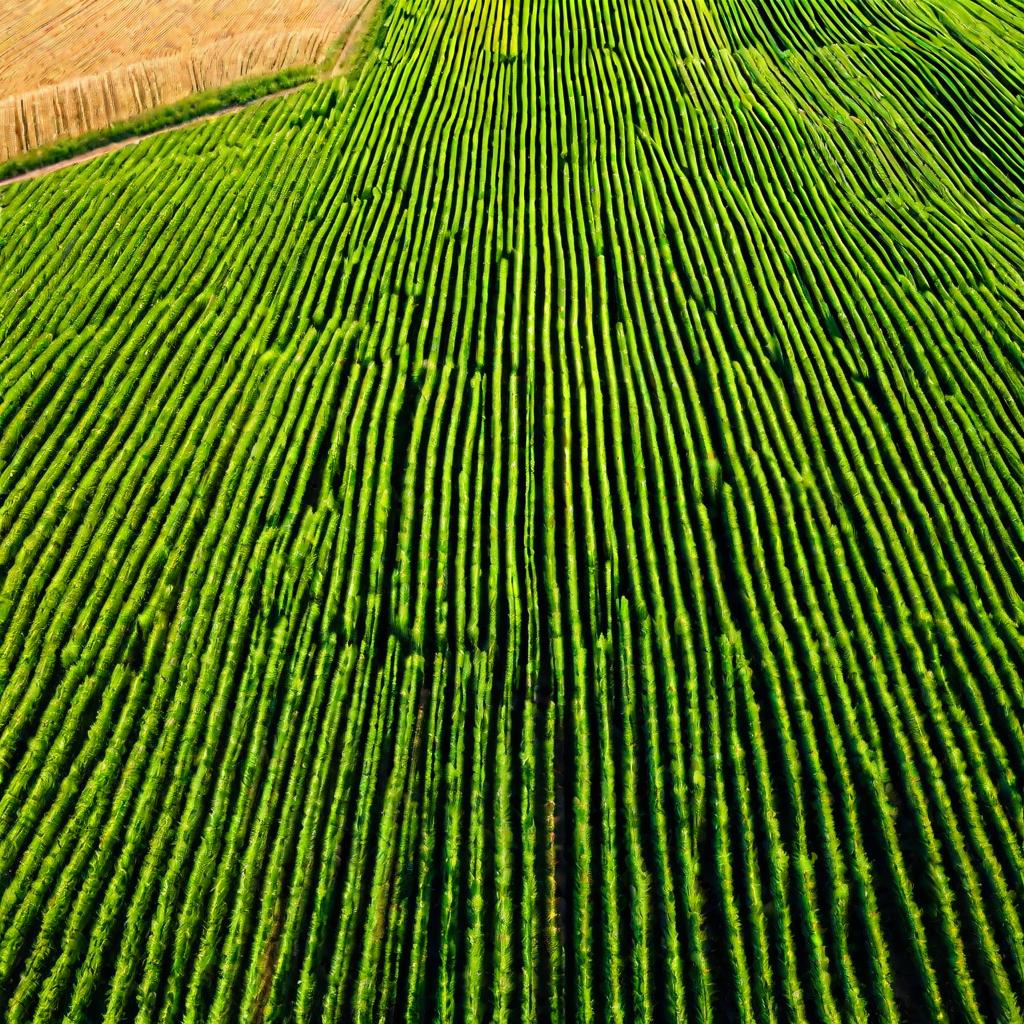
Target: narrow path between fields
[132, 140]
[337, 65]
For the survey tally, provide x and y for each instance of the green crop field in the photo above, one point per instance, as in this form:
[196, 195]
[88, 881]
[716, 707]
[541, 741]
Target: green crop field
[532, 531]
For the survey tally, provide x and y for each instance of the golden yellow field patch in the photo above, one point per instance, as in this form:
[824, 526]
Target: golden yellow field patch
[71, 66]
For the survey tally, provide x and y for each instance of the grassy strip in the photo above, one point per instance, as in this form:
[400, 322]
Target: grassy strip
[191, 107]
[352, 64]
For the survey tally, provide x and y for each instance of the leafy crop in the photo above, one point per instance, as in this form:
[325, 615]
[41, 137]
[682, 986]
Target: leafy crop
[531, 533]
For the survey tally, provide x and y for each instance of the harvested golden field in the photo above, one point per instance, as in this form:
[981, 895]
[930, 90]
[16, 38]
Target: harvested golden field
[71, 66]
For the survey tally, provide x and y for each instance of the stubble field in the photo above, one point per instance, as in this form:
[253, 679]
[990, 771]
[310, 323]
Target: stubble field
[68, 67]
